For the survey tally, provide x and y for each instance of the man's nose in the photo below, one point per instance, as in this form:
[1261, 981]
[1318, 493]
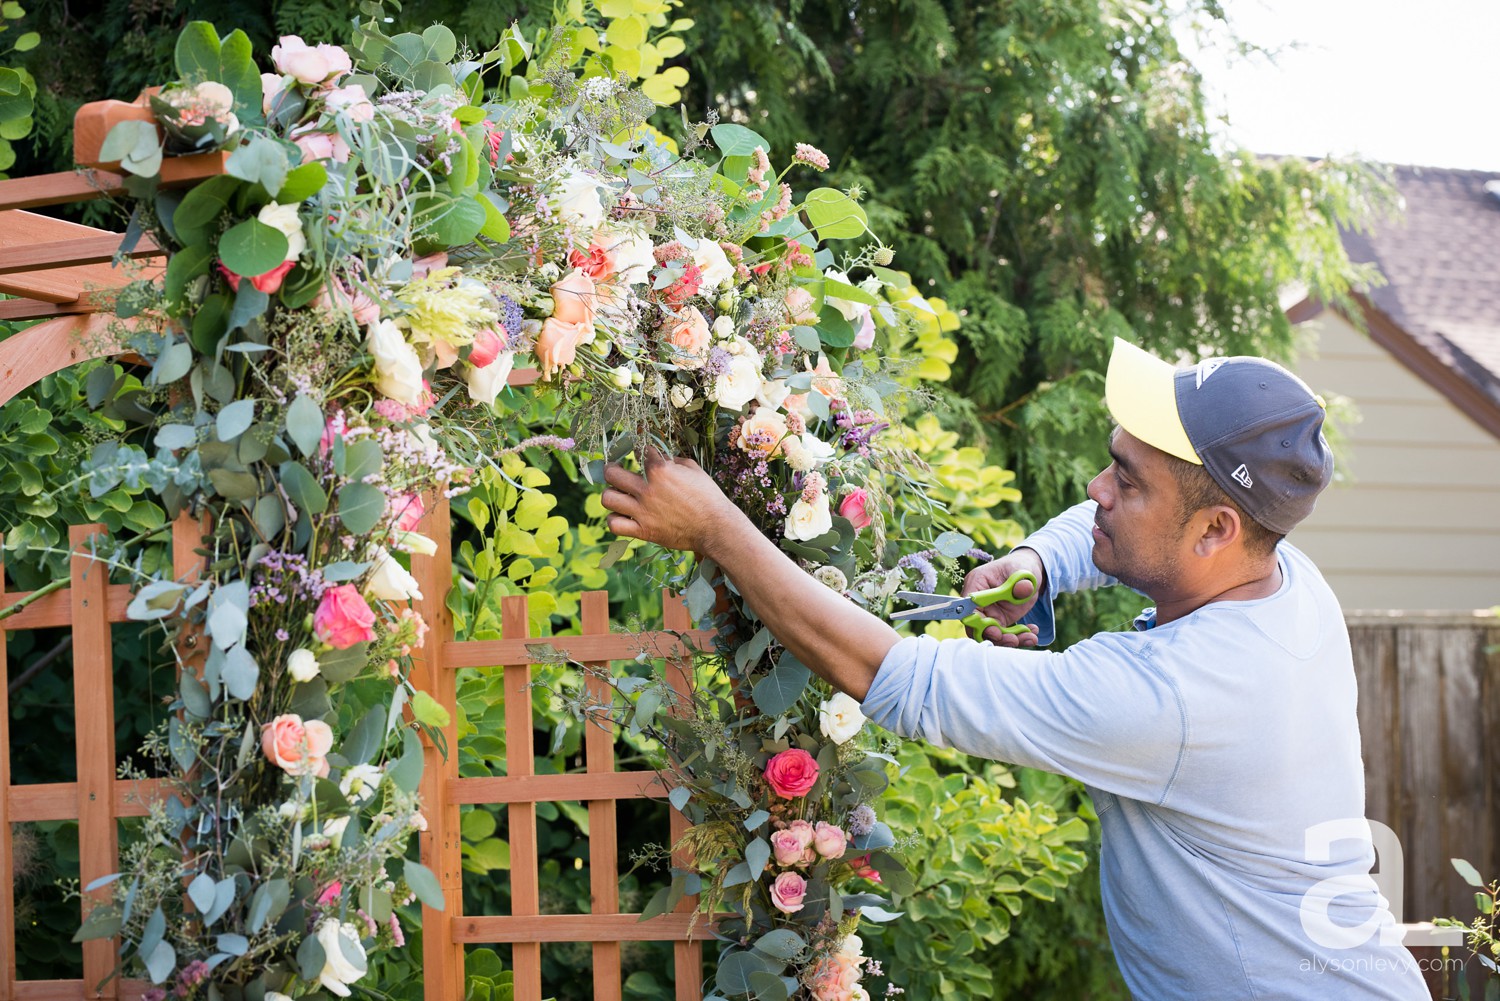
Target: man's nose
[1097, 492]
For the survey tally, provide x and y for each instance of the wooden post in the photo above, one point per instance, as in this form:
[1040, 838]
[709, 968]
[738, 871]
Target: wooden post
[94, 715]
[604, 845]
[441, 844]
[688, 955]
[525, 892]
[7, 859]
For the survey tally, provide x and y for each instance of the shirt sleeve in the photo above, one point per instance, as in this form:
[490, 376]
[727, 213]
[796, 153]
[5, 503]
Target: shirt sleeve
[1099, 711]
[1066, 546]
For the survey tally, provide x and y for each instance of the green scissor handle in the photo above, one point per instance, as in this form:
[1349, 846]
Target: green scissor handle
[979, 622]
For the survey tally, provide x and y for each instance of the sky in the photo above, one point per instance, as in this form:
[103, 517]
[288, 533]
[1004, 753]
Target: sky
[1400, 81]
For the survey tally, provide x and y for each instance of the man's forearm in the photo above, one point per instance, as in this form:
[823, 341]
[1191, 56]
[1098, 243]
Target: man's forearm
[838, 640]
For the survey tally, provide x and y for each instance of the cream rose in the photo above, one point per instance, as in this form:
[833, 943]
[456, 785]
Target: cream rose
[343, 956]
[284, 219]
[840, 718]
[633, 252]
[709, 257]
[808, 521]
[578, 201]
[390, 581]
[773, 393]
[486, 383]
[302, 665]
[398, 370]
[740, 382]
[767, 428]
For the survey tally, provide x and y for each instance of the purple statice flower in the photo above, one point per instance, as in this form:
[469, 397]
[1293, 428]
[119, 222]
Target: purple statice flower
[511, 317]
[862, 820]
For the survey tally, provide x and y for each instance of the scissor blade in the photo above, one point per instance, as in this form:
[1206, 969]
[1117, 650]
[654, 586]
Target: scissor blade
[953, 608]
[923, 598]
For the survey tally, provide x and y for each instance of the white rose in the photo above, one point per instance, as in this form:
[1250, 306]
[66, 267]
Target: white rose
[854, 312]
[343, 956]
[414, 542]
[840, 718]
[740, 381]
[486, 383]
[634, 254]
[852, 946]
[359, 782]
[621, 377]
[858, 993]
[808, 521]
[773, 393]
[271, 85]
[398, 370]
[578, 201]
[285, 219]
[333, 828]
[717, 270]
[819, 449]
[723, 327]
[680, 395]
[390, 581]
[302, 665]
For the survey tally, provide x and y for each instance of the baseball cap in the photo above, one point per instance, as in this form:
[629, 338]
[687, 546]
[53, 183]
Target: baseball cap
[1252, 425]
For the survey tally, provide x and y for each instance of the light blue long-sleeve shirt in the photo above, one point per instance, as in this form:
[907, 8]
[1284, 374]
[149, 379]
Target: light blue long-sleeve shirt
[1214, 747]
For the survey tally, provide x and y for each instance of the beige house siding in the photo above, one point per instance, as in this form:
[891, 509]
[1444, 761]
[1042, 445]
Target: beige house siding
[1414, 522]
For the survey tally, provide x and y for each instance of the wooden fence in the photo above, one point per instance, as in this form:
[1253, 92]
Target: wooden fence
[1429, 719]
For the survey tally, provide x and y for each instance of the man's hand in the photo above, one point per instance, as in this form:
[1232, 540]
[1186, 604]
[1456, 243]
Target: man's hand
[675, 504]
[1004, 612]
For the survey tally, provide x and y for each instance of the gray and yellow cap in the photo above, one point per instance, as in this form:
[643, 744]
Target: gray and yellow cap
[1252, 425]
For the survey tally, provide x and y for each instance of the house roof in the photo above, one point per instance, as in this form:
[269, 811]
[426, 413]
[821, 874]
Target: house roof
[1441, 261]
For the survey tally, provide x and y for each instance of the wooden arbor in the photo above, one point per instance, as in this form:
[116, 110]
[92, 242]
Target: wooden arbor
[62, 274]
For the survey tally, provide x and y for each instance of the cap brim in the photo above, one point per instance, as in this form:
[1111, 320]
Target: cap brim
[1141, 393]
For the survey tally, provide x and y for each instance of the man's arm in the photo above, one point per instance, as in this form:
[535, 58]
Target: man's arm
[675, 504]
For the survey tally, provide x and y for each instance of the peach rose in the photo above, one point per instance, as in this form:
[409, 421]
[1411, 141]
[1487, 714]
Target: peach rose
[322, 146]
[598, 262]
[309, 64]
[793, 845]
[792, 773]
[852, 507]
[573, 298]
[557, 344]
[787, 892]
[831, 979]
[763, 431]
[297, 747]
[830, 840]
[343, 618]
[690, 335]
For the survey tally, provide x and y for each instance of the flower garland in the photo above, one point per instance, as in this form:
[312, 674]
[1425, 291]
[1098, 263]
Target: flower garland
[339, 316]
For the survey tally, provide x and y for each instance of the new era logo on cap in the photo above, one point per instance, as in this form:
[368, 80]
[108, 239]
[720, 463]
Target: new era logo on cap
[1242, 476]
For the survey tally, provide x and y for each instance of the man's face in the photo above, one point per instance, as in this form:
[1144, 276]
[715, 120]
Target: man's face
[1139, 535]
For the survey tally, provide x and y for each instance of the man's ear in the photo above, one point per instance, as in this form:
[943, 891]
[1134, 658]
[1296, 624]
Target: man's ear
[1220, 531]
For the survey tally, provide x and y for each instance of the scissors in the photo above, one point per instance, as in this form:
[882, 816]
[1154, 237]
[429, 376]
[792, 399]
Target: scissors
[967, 609]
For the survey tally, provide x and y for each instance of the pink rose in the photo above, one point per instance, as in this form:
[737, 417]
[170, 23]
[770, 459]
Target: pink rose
[322, 146]
[787, 892]
[309, 64]
[799, 303]
[853, 508]
[428, 263]
[792, 773]
[864, 337]
[343, 618]
[864, 869]
[830, 840]
[488, 343]
[353, 101]
[295, 747]
[573, 297]
[557, 344]
[335, 296]
[409, 510]
[831, 979]
[793, 845]
[330, 893]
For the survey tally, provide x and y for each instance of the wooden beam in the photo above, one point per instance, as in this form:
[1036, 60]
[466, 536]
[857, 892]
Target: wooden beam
[520, 762]
[51, 347]
[22, 231]
[99, 249]
[528, 931]
[34, 309]
[579, 786]
[587, 649]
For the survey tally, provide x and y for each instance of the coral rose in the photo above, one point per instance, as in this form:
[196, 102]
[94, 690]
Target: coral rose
[488, 343]
[852, 507]
[557, 344]
[573, 298]
[787, 892]
[343, 618]
[297, 747]
[598, 262]
[792, 773]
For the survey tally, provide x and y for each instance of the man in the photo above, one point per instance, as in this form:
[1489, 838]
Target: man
[1218, 739]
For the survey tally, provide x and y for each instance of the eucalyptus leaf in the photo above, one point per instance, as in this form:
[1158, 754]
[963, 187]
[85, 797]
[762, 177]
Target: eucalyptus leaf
[305, 424]
[361, 506]
[240, 673]
[234, 419]
[423, 883]
[779, 690]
